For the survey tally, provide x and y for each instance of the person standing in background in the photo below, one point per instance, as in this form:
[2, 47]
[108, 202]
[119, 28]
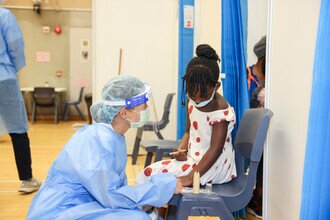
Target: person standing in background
[256, 86]
[13, 118]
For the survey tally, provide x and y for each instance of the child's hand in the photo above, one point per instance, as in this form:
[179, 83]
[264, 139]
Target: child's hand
[186, 180]
[178, 186]
[179, 154]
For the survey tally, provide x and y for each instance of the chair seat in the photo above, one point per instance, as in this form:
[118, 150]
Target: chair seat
[152, 145]
[231, 188]
[224, 190]
[71, 102]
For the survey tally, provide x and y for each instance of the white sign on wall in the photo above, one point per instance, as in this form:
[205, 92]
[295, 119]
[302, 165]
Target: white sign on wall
[188, 16]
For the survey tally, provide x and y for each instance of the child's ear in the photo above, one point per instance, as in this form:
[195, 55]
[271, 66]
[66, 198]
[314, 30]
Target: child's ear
[217, 86]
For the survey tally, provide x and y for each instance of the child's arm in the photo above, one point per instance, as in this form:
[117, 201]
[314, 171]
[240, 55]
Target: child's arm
[218, 138]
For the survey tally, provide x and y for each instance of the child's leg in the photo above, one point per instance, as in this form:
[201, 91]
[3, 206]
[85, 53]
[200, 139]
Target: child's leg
[178, 168]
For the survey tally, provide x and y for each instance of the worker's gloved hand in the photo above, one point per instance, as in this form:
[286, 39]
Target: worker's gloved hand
[179, 154]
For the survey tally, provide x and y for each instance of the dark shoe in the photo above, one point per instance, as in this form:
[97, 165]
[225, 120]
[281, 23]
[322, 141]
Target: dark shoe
[255, 207]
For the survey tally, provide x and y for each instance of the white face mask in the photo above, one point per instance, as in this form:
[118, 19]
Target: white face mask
[203, 103]
[144, 117]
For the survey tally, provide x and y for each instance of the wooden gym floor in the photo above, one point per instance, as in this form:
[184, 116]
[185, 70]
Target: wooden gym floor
[47, 140]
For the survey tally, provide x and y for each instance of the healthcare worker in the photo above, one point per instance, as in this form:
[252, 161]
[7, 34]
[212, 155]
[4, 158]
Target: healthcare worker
[88, 178]
[13, 119]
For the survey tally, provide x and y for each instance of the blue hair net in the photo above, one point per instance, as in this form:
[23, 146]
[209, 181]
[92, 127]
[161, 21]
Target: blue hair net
[119, 88]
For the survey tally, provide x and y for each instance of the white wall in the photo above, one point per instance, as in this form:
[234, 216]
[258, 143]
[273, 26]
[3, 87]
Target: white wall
[293, 33]
[147, 31]
[257, 26]
[208, 23]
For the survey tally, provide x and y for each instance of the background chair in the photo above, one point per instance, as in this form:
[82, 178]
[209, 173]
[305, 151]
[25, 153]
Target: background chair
[75, 104]
[44, 97]
[89, 101]
[234, 195]
[160, 148]
[153, 126]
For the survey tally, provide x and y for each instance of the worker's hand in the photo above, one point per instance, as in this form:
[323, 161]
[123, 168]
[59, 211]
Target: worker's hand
[178, 187]
[186, 180]
[179, 154]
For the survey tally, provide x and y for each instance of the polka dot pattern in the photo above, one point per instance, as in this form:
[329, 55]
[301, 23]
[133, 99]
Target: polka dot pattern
[190, 109]
[147, 171]
[166, 162]
[185, 167]
[195, 125]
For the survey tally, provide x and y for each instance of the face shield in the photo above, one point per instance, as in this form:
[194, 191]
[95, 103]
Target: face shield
[134, 101]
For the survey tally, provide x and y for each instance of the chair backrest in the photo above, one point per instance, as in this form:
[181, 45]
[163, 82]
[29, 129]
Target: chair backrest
[249, 142]
[81, 94]
[44, 95]
[166, 114]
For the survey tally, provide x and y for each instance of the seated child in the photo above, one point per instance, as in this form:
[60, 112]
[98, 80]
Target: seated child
[206, 147]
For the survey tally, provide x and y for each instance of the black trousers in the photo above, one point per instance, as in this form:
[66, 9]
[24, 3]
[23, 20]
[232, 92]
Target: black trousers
[260, 172]
[21, 144]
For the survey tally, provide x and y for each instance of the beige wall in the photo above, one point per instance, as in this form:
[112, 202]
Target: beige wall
[208, 23]
[257, 26]
[36, 73]
[147, 32]
[293, 33]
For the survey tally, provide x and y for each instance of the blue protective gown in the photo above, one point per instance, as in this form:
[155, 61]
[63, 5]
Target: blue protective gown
[13, 117]
[88, 181]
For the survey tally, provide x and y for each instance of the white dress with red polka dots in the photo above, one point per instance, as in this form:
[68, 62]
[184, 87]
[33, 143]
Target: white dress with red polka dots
[223, 170]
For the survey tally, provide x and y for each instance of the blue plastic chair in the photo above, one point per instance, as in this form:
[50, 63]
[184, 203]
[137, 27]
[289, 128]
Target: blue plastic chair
[236, 194]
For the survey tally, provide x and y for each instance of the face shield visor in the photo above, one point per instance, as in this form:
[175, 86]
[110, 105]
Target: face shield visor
[133, 101]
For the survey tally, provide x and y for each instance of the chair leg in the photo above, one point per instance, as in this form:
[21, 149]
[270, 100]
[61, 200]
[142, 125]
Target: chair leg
[34, 113]
[137, 145]
[160, 153]
[148, 159]
[55, 119]
[80, 113]
[170, 213]
[159, 135]
[182, 212]
[65, 112]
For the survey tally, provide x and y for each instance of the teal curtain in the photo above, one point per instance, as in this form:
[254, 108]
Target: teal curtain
[315, 202]
[233, 54]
